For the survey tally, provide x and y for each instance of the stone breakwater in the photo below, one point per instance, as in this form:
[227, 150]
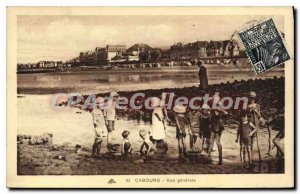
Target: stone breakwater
[44, 139]
[270, 95]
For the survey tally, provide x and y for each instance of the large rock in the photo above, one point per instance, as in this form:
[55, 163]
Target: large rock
[24, 141]
[45, 139]
[55, 147]
[23, 137]
[36, 140]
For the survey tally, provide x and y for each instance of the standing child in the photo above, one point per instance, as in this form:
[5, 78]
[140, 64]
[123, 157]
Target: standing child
[158, 124]
[216, 130]
[110, 117]
[181, 125]
[205, 127]
[99, 123]
[126, 144]
[146, 143]
[245, 132]
[279, 137]
[277, 123]
[254, 116]
[194, 122]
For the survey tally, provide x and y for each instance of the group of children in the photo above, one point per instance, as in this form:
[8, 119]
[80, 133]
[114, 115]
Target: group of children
[103, 118]
[205, 124]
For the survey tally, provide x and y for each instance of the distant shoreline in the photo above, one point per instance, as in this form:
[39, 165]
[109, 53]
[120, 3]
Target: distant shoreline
[146, 70]
[120, 70]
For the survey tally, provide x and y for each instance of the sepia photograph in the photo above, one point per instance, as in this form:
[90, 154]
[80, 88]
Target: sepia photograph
[150, 97]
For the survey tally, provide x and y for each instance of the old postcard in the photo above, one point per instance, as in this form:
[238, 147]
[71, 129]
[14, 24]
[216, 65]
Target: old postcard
[150, 97]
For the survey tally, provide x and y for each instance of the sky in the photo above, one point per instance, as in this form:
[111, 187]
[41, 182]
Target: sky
[59, 38]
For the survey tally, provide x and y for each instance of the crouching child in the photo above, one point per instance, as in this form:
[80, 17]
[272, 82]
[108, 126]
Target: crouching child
[146, 143]
[126, 143]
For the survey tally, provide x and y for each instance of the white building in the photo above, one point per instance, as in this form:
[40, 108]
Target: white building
[114, 50]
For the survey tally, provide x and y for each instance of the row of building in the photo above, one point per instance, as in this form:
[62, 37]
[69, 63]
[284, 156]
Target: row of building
[141, 53]
[144, 53]
[203, 49]
[41, 64]
[116, 54]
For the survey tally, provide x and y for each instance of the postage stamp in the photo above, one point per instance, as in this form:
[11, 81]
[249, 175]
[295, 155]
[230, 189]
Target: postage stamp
[264, 46]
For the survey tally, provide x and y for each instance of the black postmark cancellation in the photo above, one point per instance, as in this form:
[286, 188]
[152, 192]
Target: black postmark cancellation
[264, 46]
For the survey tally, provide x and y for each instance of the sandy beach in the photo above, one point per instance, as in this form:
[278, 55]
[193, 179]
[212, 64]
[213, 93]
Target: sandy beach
[42, 160]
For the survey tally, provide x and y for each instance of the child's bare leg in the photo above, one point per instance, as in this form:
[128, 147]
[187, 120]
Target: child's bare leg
[141, 148]
[94, 148]
[183, 145]
[166, 147]
[110, 128]
[249, 152]
[201, 144]
[211, 143]
[252, 142]
[244, 153]
[99, 147]
[219, 148]
[279, 149]
[269, 140]
[155, 143]
[194, 140]
[191, 141]
[203, 141]
[241, 153]
[109, 137]
[179, 147]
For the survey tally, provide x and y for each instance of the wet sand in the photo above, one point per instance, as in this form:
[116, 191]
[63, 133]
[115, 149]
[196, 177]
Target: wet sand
[40, 160]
